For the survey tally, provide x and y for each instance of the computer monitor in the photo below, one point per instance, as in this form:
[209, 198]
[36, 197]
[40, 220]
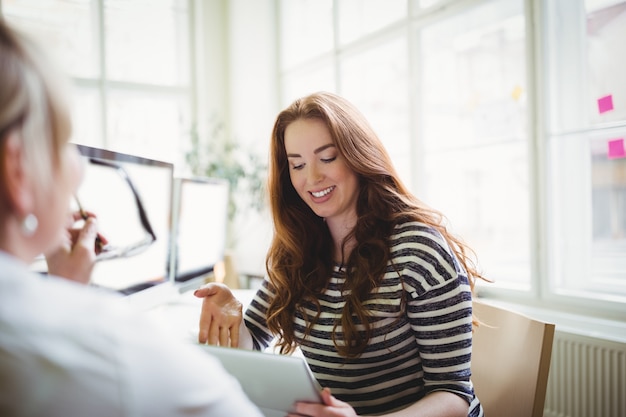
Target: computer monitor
[131, 197]
[200, 226]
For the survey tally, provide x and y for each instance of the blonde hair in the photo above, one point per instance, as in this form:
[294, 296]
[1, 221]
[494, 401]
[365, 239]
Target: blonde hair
[33, 102]
[299, 262]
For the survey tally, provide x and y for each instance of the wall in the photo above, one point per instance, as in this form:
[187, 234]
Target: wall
[241, 33]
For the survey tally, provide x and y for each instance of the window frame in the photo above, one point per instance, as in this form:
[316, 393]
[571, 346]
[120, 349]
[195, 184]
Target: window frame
[541, 293]
[102, 86]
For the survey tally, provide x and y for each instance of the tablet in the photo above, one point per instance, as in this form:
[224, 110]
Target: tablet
[272, 381]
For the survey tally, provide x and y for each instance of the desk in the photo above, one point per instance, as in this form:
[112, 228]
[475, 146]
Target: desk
[180, 314]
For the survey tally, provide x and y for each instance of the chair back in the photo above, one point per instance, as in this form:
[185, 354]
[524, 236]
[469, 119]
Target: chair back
[510, 361]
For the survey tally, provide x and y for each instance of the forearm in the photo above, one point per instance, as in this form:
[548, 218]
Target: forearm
[436, 404]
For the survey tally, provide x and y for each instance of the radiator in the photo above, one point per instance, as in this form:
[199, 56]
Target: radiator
[587, 377]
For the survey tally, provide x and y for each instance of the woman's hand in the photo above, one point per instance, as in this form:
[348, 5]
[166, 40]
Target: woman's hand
[220, 317]
[331, 407]
[438, 403]
[75, 257]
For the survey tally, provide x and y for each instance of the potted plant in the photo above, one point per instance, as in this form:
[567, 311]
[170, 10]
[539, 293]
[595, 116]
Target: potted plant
[216, 155]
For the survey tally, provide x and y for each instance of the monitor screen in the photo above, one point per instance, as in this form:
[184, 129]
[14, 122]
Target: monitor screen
[200, 225]
[131, 197]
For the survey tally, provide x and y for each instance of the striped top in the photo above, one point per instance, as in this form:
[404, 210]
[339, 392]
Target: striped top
[413, 351]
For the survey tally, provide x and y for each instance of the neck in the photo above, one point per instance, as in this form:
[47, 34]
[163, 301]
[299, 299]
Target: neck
[339, 232]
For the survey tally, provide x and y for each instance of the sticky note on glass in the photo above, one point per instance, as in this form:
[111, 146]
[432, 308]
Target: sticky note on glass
[605, 103]
[616, 149]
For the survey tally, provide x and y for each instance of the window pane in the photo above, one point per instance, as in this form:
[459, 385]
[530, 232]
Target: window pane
[423, 7]
[86, 117]
[608, 187]
[587, 182]
[300, 83]
[474, 78]
[67, 28]
[377, 82]
[588, 213]
[473, 108]
[150, 125]
[483, 191]
[306, 30]
[360, 17]
[606, 38]
[608, 251]
[425, 4]
[568, 157]
[566, 26]
[158, 53]
[594, 32]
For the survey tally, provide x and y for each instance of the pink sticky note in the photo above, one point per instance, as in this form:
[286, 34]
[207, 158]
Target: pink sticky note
[616, 149]
[605, 103]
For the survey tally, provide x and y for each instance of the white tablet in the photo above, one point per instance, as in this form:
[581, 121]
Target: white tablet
[273, 382]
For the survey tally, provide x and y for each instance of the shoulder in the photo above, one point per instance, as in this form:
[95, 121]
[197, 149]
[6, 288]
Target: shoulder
[423, 257]
[417, 237]
[93, 346]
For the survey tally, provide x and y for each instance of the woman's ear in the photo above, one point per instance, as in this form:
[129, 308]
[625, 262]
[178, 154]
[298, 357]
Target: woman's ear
[16, 185]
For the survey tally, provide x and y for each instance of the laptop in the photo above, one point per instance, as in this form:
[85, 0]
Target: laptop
[272, 381]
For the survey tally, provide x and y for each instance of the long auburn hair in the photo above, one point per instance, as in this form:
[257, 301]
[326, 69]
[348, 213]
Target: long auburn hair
[299, 262]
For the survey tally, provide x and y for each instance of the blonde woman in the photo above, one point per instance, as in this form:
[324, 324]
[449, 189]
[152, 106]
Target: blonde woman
[65, 349]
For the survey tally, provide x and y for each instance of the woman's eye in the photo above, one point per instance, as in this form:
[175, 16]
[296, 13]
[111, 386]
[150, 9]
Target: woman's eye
[297, 166]
[328, 160]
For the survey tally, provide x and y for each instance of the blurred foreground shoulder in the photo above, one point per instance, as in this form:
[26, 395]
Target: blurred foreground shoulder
[69, 350]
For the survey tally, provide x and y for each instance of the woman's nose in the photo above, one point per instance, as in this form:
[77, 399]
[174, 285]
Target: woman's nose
[314, 174]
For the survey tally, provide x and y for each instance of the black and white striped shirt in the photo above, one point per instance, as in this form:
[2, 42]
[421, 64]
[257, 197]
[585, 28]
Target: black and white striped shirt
[425, 347]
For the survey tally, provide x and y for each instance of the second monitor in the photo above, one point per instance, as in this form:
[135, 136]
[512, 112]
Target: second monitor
[200, 226]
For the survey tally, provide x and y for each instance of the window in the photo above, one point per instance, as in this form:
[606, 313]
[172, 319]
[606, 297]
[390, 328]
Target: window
[381, 89]
[585, 138]
[133, 87]
[362, 17]
[473, 105]
[462, 133]
[309, 24]
[382, 95]
[509, 116]
[517, 139]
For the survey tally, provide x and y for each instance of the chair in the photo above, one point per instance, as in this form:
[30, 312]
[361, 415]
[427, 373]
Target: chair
[510, 361]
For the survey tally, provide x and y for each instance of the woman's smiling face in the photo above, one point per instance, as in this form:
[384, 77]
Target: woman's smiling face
[319, 173]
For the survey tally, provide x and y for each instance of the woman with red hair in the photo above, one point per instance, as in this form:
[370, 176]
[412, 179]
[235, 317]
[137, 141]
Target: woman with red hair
[362, 277]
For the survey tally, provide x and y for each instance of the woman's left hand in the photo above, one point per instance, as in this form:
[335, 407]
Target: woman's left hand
[331, 407]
